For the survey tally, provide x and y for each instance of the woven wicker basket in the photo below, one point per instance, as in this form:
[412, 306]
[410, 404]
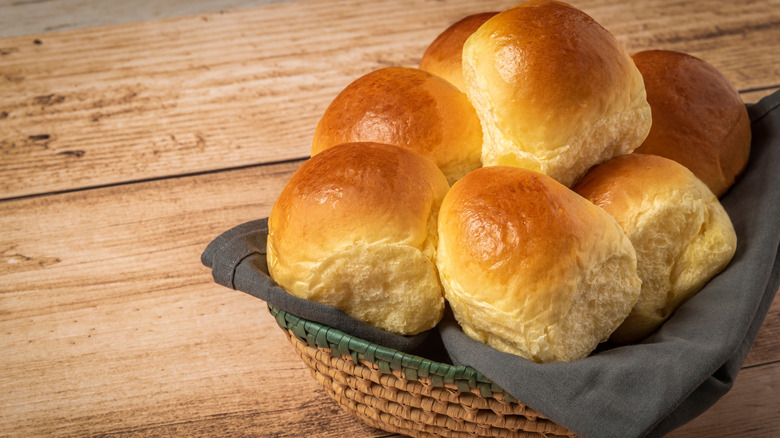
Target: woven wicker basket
[407, 394]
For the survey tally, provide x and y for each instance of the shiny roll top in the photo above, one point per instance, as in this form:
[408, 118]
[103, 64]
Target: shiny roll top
[554, 90]
[410, 108]
[699, 119]
[531, 268]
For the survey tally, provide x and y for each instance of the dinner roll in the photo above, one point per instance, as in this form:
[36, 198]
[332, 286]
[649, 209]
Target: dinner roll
[531, 268]
[355, 228]
[681, 233]
[699, 119]
[406, 107]
[443, 56]
[554, 90]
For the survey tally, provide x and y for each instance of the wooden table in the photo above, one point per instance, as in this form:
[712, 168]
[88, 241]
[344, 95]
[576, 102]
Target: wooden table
[125, 149]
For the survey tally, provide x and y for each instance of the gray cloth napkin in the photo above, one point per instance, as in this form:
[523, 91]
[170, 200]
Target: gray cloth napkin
[646, 389]
[237, 260]
[692, 360]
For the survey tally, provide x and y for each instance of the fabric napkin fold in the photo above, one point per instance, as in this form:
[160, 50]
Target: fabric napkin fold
[237, 259]
[653, 387]
[647, 389]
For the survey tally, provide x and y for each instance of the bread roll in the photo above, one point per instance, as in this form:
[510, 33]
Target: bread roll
[406, 107]
[531, 268]
[681, 233]
[554, 90]
[355, 228]
[699, 120]
[443, 56]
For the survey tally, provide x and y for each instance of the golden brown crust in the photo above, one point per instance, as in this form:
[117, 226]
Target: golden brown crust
[536, 212]
[699, 119]
[410, 108]
[555, 91]
[531, 268]
[349, 190]
[355, 228]
[443, 56]
[546, 51]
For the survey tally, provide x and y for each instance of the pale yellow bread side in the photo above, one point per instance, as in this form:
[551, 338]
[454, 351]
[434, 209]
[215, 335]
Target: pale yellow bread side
[355, 228]
[680, 231]
[530, 267]
[554, 90]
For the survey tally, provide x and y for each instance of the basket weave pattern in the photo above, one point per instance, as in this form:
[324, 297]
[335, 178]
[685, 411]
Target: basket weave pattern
[407, 394]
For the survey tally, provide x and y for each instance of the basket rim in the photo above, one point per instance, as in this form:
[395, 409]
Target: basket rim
[413, 367]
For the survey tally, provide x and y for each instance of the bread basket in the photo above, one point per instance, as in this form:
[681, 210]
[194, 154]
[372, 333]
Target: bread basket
[646, 389]
[402, 393]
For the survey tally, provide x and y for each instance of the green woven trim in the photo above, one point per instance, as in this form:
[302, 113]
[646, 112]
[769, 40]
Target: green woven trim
[413, 367]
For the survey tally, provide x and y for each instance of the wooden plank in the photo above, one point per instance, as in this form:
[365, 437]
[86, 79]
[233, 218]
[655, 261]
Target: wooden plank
[750, 409]
[110, 323]
[766, 348]
[111, 326]
[42, 16]
[191, 94]
[101, 106]
[719, 32]
[753, 96]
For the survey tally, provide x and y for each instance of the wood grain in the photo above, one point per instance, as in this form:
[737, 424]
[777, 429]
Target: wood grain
[125, 149]
[42, 16]
[752, 96]
[739, 412]
[118, 327]
[121, 331]
[766, 348]
[111, 325]
[101, 106]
